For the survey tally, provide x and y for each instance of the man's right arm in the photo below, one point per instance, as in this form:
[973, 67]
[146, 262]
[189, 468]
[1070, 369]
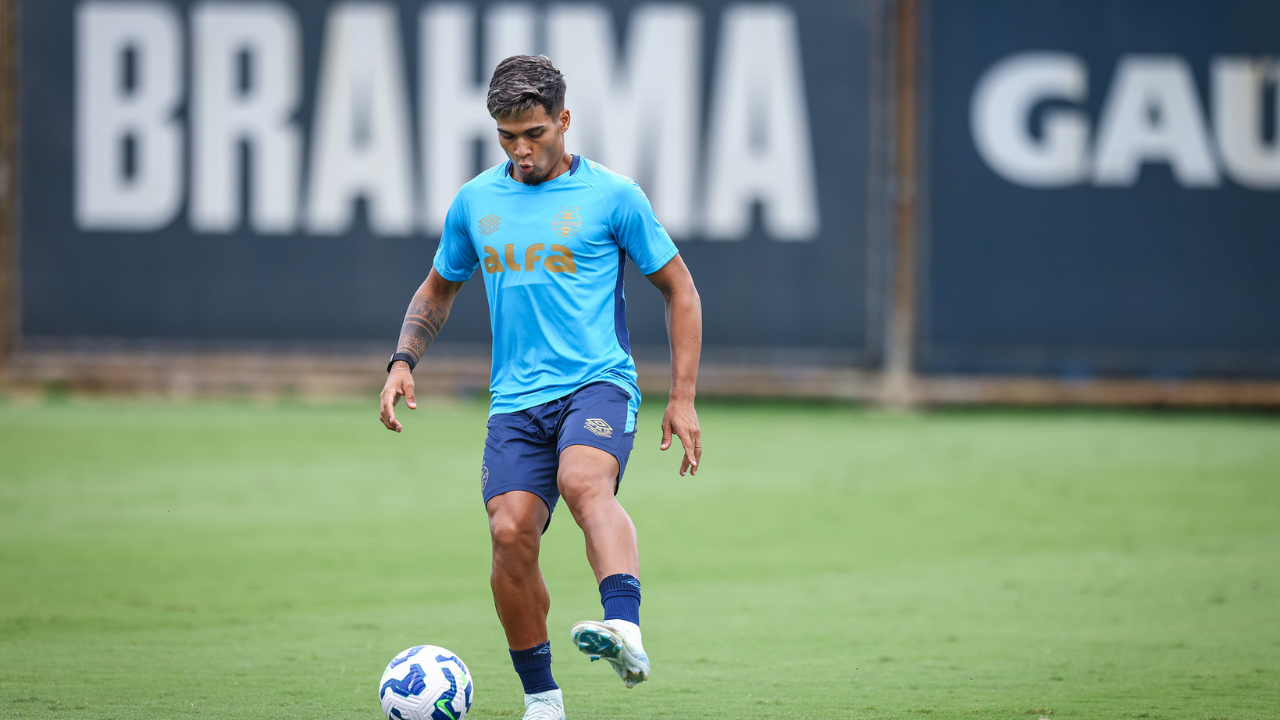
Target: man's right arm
[422, 322]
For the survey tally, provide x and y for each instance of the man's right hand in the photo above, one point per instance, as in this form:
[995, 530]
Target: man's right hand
[399, 382]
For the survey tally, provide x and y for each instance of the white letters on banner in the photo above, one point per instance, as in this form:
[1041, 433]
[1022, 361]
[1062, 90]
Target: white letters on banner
[636, 107]
[361, 146]
[128, 140]
[1239, 84]
[759, 133]
[1152, 114]
[1001, 109]
[260, 44]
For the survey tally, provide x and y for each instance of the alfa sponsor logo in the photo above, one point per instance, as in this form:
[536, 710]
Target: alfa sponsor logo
[560, 259]
[599, 427]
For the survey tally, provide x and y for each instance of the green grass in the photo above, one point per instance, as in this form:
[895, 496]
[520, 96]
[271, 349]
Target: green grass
[223, 560]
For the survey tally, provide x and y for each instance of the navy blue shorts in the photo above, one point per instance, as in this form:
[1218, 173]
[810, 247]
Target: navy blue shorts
[522, 451]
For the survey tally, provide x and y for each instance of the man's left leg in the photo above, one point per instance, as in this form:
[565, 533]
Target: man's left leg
[587, 479]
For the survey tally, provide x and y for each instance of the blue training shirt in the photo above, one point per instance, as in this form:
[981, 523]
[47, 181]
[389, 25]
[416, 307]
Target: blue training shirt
[552, 257]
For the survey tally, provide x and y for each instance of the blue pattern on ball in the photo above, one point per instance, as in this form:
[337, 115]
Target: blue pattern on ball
[412, 684]
[407, 654]
[444, 706]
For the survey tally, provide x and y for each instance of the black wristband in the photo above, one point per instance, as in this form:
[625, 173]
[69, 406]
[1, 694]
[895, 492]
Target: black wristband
[401, 356]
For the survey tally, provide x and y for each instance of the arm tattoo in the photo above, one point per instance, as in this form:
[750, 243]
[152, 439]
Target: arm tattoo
[422, 322]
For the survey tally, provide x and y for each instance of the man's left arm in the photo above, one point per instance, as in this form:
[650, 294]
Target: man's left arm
[684, 328]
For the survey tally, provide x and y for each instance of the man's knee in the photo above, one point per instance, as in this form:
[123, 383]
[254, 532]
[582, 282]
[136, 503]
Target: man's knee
[578, 486]
[515, 525]
[587, 487]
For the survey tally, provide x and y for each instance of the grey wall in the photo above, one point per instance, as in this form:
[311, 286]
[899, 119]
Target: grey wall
[1099, 189]
[781, 269]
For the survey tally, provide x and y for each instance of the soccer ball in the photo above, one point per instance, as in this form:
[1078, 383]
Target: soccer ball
[425, 683]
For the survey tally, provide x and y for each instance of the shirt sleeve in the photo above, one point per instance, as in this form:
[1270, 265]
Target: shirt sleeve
[638, 231]
[456, 257]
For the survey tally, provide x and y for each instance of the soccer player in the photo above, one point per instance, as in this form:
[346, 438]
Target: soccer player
[551, 232]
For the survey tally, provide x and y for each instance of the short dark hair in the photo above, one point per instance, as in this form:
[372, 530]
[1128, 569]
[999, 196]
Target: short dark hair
[521, 83]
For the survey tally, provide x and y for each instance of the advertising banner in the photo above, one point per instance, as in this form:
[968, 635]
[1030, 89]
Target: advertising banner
[1102, 188]
[269, 170]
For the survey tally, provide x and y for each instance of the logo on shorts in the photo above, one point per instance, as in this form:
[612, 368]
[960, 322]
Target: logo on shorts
[484, 476]
[489, 224]
[599, 427]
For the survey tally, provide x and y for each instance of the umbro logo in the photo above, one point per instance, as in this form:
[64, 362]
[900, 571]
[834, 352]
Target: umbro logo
[599, 427]
[633, 583]
[544, 650]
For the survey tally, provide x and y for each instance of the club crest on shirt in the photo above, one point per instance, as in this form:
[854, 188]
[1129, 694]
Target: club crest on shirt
[599, 427]
[566, 222]
[489, 224]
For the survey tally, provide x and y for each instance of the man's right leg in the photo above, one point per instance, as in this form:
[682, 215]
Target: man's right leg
[516, 520]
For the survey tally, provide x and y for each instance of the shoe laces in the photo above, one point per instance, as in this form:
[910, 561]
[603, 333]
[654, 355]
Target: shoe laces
[540, 708]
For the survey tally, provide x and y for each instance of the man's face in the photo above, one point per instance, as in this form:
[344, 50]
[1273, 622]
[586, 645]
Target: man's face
[534, 141]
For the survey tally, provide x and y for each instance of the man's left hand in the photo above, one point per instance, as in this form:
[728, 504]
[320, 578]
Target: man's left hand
[681, 420]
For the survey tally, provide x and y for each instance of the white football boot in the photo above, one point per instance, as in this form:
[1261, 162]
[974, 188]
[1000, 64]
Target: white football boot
[617, 641]
[547, 705]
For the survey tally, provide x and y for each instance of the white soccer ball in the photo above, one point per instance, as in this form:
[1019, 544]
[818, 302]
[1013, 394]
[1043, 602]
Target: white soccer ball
[425, 682]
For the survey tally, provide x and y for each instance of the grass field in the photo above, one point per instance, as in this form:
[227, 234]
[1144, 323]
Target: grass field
[228, 560]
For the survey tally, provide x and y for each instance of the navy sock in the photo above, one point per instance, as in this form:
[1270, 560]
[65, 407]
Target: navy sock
[620, 595]
[534, 668]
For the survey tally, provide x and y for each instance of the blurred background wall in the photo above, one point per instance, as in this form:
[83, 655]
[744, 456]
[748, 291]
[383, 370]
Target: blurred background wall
[949, 201]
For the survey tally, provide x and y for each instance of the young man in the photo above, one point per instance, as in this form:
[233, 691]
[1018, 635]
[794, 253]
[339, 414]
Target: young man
[551, 233]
